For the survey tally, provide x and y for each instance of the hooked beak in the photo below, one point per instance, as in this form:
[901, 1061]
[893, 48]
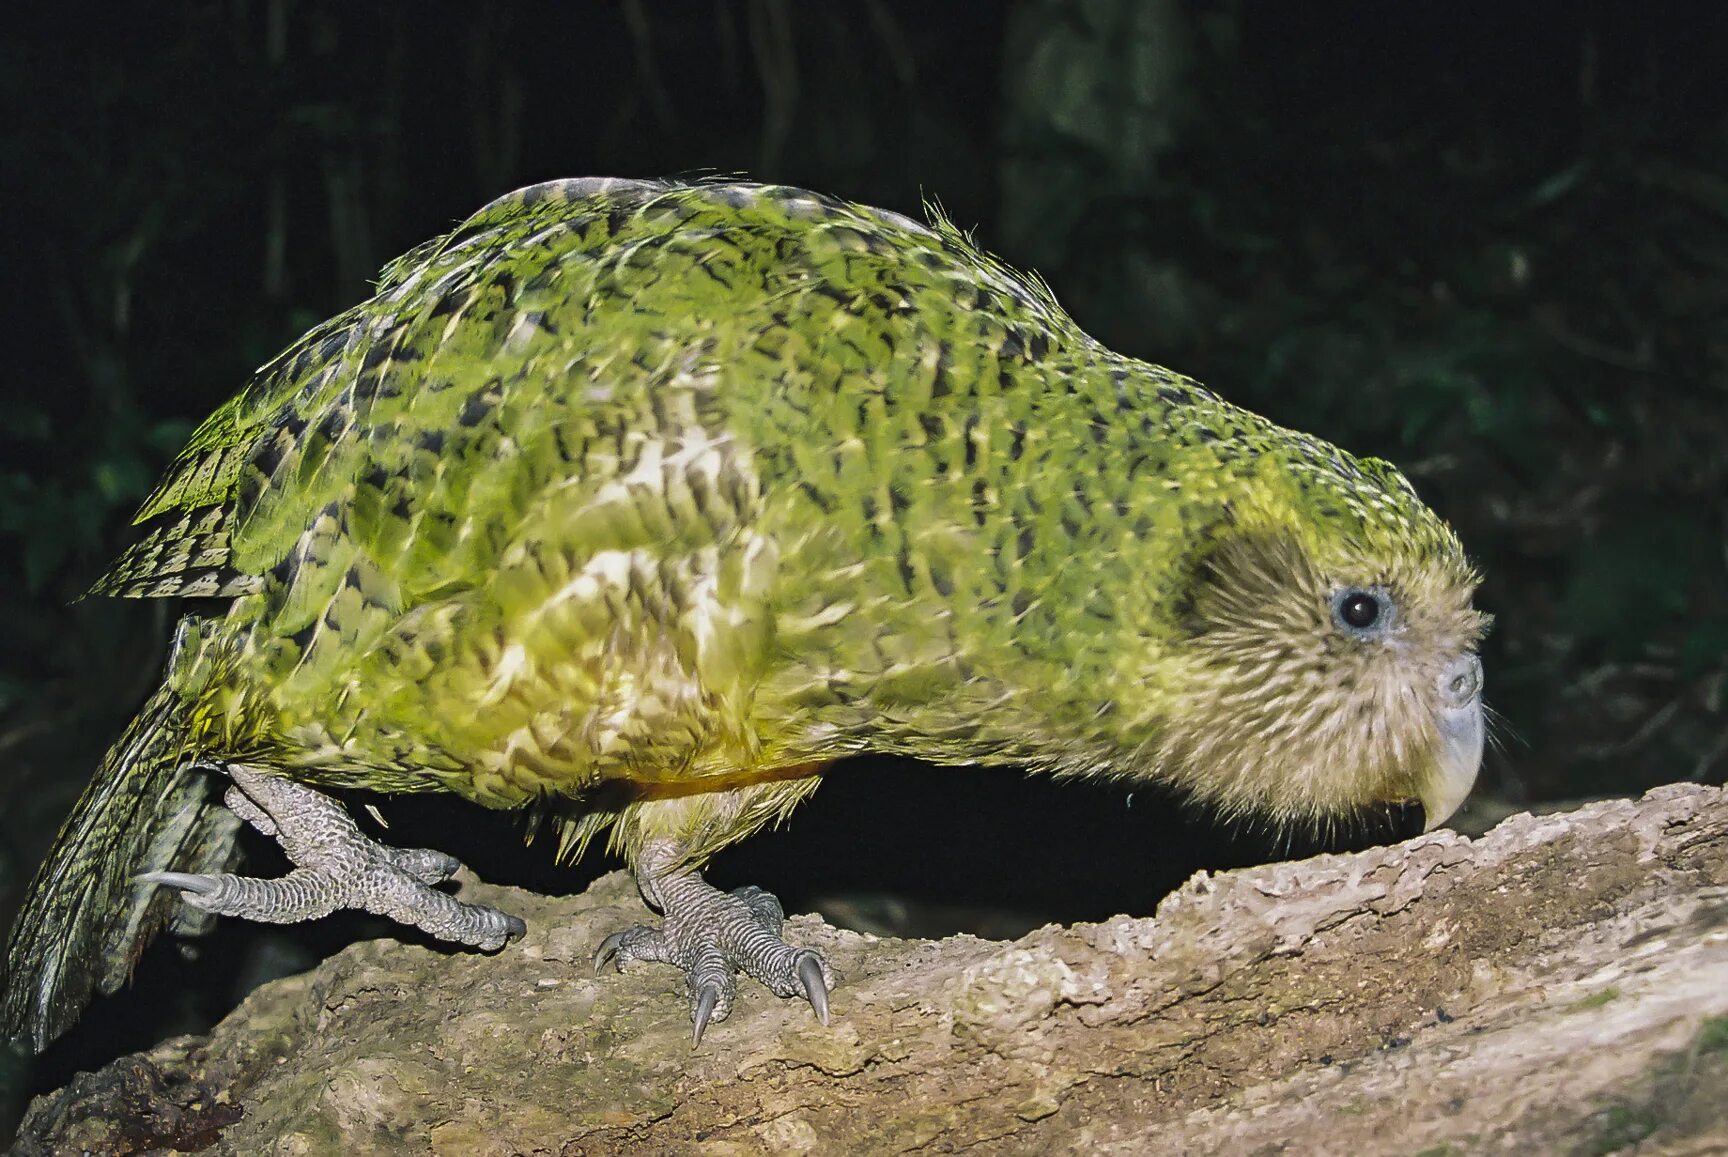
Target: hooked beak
[1461, 734]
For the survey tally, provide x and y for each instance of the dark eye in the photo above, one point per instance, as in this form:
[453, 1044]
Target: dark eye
[1360, 610]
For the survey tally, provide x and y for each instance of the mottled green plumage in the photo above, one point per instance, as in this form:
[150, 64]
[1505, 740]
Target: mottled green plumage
[645, 501]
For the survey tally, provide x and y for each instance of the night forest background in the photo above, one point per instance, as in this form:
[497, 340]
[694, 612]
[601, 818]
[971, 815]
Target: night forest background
[1487, 242]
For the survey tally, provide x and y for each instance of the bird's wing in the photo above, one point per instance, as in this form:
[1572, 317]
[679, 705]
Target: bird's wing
[276, 453]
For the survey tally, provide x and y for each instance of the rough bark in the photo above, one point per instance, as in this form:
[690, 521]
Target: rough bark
[1558, 985]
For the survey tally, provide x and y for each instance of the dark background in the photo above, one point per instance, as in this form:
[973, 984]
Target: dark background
[1488, 242]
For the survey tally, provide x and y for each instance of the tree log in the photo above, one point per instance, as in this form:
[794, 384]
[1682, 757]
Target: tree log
[1557, 985]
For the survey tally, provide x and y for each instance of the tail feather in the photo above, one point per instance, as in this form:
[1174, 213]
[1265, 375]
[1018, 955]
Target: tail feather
[85, 920]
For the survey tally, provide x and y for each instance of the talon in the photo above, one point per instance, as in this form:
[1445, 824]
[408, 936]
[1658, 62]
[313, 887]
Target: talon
[335, 866]
[197, 885]
[711, 936]
[607, 953]
[815, 987]
[705, 1002]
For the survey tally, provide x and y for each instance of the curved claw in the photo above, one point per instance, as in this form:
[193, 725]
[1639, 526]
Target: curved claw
[706, 1000]
[607, 953]
[815, 987]
[197, 885]
[514, 928]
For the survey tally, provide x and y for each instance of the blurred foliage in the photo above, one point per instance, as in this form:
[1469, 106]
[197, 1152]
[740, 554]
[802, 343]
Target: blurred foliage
[1490, 245]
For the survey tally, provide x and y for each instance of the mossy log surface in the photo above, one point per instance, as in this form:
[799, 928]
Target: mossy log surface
[1557, 985]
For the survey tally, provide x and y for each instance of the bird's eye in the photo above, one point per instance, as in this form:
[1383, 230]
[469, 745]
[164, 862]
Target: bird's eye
[1358, 610]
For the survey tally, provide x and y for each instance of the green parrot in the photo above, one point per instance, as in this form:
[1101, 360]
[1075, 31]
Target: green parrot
[639, 503]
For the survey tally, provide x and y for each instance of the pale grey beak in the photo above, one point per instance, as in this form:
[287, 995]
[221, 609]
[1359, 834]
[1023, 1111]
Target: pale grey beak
[1461, 733]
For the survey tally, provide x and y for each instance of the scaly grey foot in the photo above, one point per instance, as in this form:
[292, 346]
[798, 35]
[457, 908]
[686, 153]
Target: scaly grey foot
[336, 866]
[710, 936]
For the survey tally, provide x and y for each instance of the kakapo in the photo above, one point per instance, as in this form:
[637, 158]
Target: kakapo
[641, 502]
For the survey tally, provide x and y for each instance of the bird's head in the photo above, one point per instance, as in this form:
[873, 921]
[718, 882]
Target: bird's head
[1327, 659]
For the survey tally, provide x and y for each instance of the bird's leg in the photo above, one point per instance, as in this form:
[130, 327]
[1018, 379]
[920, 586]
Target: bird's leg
[711, 935]
[335, 866]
